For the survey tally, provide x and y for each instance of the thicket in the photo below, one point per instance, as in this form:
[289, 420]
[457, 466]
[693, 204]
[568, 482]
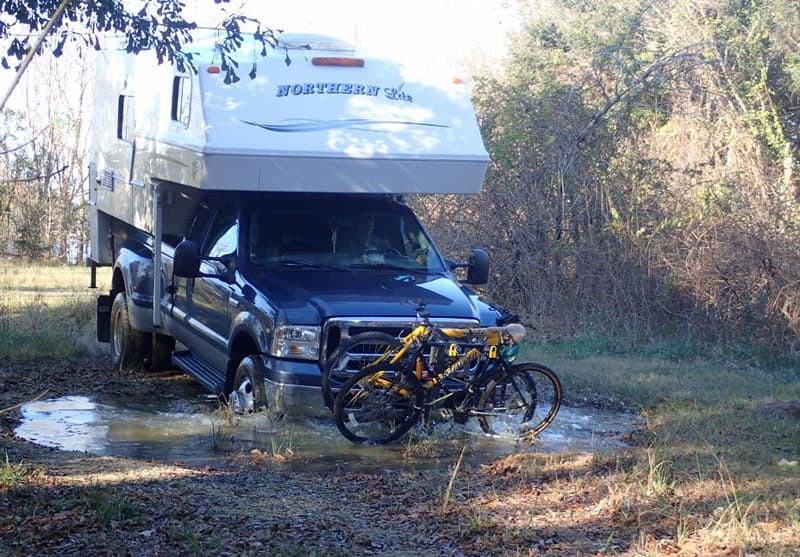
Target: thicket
[644, 176]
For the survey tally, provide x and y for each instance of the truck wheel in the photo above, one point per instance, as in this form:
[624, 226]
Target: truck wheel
[249, 393]
[128, 346]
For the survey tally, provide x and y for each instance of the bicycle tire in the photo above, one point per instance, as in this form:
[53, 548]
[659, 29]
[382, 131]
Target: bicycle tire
[522, 402]
[378, 405]
[352, 355]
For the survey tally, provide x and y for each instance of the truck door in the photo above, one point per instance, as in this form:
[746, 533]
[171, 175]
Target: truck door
[209, 312]
[200, 317]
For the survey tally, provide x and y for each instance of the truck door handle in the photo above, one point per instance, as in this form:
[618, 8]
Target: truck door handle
[233, 302]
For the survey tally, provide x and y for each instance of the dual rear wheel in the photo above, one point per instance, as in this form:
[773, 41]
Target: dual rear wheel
[132, 349]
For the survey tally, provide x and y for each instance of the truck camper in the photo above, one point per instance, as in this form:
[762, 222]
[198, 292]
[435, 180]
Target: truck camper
[254, 225]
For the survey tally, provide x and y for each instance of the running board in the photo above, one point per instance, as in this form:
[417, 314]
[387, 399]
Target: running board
[206, 375]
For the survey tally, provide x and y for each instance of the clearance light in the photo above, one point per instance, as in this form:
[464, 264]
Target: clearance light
[213, 69]
[458, 80]
[338, 61]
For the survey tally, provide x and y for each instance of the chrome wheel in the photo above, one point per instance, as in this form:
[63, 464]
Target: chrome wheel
[249, 389]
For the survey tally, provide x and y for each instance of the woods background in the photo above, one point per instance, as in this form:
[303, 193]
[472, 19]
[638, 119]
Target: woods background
[644, 183]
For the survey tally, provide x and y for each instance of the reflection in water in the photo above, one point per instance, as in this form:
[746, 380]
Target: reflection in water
[200, 434]
[78, 423]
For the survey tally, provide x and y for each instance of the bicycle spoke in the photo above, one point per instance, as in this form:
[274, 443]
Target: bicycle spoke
[353, 355]
[523, 403]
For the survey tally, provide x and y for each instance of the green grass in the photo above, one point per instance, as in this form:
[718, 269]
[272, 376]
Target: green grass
[48, 311]
[107, 505]
[12, 474]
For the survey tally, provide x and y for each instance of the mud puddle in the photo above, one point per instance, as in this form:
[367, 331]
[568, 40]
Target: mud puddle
[199, 433]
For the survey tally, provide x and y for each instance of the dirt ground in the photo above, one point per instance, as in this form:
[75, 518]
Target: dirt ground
[64, 503]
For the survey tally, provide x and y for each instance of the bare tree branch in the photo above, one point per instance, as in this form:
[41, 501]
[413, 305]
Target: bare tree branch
[35, 178]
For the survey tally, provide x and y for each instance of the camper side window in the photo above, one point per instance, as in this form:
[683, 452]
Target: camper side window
[181, 99]
[125, 123]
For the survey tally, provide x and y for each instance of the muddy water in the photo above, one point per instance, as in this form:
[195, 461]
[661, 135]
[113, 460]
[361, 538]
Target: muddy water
[199, 433]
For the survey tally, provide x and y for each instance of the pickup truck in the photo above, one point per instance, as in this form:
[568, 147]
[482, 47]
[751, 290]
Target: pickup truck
[265, 286]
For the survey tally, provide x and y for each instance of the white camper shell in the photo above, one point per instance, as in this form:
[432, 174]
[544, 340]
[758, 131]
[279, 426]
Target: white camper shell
[316, 117]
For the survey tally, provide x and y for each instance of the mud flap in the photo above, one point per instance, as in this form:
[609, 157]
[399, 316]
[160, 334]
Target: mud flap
[104, 318]
[276, 402]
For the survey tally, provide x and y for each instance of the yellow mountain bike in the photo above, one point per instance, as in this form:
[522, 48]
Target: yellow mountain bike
[382, 386]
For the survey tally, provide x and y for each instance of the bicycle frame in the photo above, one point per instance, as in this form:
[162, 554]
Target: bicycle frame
[420, 336]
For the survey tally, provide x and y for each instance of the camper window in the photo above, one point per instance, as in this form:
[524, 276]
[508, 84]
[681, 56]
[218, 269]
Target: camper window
[125, 118]
[181, 99]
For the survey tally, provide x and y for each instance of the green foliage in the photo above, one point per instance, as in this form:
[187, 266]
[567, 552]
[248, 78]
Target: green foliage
[793, 71]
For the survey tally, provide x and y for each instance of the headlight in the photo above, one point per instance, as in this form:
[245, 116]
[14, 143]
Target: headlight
[291, 341]
[516, 331]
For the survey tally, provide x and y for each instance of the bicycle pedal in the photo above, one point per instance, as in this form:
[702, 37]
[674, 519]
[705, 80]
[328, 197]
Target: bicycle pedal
[445, 413]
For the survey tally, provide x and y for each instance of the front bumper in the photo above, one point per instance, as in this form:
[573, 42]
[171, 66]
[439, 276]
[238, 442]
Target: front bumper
[294, 387]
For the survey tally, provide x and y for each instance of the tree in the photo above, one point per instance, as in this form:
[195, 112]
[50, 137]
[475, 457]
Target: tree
[644, 175]
[43, 170]
[31, 26]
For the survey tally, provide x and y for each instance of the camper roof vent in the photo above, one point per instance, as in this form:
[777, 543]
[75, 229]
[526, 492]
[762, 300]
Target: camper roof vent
[308, 41]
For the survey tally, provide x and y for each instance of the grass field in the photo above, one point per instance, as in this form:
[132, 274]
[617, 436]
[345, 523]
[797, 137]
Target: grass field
[714, 469]
[720, 448]
[48, 311]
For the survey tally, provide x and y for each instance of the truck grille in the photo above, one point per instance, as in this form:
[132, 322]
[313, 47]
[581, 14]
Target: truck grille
[337, 330]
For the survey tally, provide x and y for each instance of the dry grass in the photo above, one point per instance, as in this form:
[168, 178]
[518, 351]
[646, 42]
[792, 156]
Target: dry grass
[48, 311]
[714, 470]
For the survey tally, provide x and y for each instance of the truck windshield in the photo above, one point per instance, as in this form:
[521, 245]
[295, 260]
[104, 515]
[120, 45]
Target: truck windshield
[341, 236]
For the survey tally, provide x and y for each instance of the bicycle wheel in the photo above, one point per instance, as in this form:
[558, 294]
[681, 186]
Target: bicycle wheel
[353, 355]
[378, 405]
[523, 402]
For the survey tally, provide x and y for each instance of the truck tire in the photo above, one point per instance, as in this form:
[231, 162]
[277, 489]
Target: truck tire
[129, 348]
[249, 393]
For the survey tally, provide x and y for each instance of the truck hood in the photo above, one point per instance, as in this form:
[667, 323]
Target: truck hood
[310, 297]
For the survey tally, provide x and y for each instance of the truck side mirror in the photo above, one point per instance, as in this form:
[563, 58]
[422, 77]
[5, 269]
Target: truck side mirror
[186, 261]
[478, 267]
